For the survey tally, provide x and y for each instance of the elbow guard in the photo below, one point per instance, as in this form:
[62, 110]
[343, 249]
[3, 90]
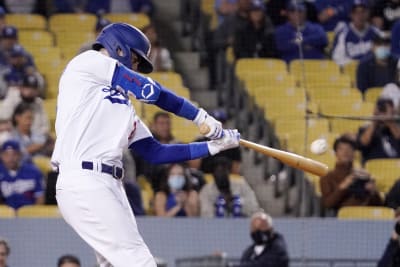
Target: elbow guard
[143, 88]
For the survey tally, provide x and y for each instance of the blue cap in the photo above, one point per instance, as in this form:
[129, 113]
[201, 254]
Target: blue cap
[101, 23]
[11, 145]
[9, 32]
[17, 51]
[294, 6]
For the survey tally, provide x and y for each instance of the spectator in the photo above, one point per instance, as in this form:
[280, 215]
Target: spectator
[395, 34]
[27, 92]
[392, 91]
[81, 6]
[392, 198]
[9, 42]
[226, 197]
[354, 40]
[100, 24]
[380, 138]
[68, 261]
[391, 255]
[4, 252]
[345, 185]
[276, 10]
[176, 197]
[377, 68]
[5, 130]
[269, 247]
[333, 13]
[225, 8]
[312, 41]
[33, 143]
[385, 13]
[159, 55]
[21, 182]
[256, 39]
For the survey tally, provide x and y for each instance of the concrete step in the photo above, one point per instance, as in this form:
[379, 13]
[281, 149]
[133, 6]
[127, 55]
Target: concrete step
[187, 60]
[196, 79]
[205, 99]
[167, 10]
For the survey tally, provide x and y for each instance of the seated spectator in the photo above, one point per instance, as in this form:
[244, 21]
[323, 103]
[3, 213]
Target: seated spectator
[385, 13]
[391, 255]
[68, 261]
[4, 252]
[392, 198]
[380, 138]
[27, 92]
[345, 185]
[256, 39]
[225, 8]
[33, 143]
[176, 197]
[227, 197]
[313, 38]
[377, 68]
[395, 34]
[332, 13]
[354, 40]
[159, 55]
[268, 248]
[9, 42]
[21, 182]
[100, 24]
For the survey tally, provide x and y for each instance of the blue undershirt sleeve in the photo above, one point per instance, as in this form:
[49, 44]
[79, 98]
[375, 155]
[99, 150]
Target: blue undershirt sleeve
[156, 153]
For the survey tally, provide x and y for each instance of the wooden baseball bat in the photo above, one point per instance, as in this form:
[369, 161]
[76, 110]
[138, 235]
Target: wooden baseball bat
[291, 159]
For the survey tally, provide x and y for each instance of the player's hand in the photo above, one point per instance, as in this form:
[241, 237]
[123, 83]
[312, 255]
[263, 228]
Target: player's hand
[229, 140]
[215, 126]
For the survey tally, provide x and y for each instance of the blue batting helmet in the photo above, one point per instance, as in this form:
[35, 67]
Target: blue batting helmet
[120, 40]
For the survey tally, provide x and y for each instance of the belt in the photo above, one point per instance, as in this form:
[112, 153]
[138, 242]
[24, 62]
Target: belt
[114, 171]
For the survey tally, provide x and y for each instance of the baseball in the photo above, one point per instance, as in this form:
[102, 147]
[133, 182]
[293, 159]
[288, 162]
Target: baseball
[319, 146]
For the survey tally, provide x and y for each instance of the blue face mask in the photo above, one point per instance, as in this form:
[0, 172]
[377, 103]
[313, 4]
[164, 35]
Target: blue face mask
[382, 52]
[176, 182]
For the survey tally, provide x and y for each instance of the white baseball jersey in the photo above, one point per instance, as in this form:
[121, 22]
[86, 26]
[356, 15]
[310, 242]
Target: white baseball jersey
[94, 121]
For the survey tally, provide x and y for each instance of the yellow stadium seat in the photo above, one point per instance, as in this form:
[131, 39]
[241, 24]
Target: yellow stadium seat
[50, 106]
[229, 55]
[299, 67]
[184, 130]
[139, 20]
[36, 39]
[273, 80]
[167, 79]
[146, 193]
[263, 65]
[43, 163]
[285, 108]
[52, 80]
[207, 7]
[70, 42]
[266, 94]
[6, 212]
[325, 81]
[366, 213]
[50, 65]
[81, 22]
[384, 171]
[27, 21]
[209, 178]
[45, 52]
[320, 94]
[372, 94]
[331, 38]
[350, 69]
[39, 211]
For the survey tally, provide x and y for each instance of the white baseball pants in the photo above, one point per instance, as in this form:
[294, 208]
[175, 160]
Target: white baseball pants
[95, 205]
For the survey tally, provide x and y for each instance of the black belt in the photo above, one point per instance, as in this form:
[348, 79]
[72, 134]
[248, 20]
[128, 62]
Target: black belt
[114, 171]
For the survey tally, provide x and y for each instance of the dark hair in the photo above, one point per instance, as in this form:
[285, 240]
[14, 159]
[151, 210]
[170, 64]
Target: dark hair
[20, 109]
[165, 173]
[68, 258]
[159, 114]
[5, 244]
[344, 139]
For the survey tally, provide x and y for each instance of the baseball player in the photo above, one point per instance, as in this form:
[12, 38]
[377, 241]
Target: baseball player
[96, 121]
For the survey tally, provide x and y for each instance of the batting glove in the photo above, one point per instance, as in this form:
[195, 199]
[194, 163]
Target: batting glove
[215, 126]
[229, 140]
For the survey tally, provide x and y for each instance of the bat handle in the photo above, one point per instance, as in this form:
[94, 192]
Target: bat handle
[204, 129]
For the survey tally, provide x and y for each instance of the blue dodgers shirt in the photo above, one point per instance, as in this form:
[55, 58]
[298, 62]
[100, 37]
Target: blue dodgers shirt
[21, 187]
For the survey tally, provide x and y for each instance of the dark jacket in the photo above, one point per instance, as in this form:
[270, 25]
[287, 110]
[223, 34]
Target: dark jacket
[275, 254]
[391, 255]
[392, 199]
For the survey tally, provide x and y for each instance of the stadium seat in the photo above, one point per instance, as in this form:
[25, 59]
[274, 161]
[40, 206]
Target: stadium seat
[50, 106]
[139, 20]
[372, 94]
[71, 41]
[43, 163]
[350, 69]
[6, 212]
[52, 80]
[327, 93]
[324, 81]
[81, 22]
[285, 108]
[27, 21]
[263, 65]
[308, 66]
[384, 171]
[50, 65]
[146, 193]
[184, 130]
[39, 211]
[46, 52]
[167, 79]
[366, 213]
[273, 80]
[36, 39]
[265, 94]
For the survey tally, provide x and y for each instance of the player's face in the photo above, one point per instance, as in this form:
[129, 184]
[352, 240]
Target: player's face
[344, 153]
[3, 256]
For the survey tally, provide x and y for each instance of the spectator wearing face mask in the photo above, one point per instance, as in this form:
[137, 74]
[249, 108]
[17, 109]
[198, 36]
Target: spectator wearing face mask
[176, 198]
[226, 196]
[377, 68]
[268, 248]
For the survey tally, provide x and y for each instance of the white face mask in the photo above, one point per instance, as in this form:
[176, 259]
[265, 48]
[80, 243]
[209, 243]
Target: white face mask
[382, 52]
[176, 182]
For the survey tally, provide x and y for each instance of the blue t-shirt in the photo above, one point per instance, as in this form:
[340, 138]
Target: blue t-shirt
[171, 202]
[22, 187]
